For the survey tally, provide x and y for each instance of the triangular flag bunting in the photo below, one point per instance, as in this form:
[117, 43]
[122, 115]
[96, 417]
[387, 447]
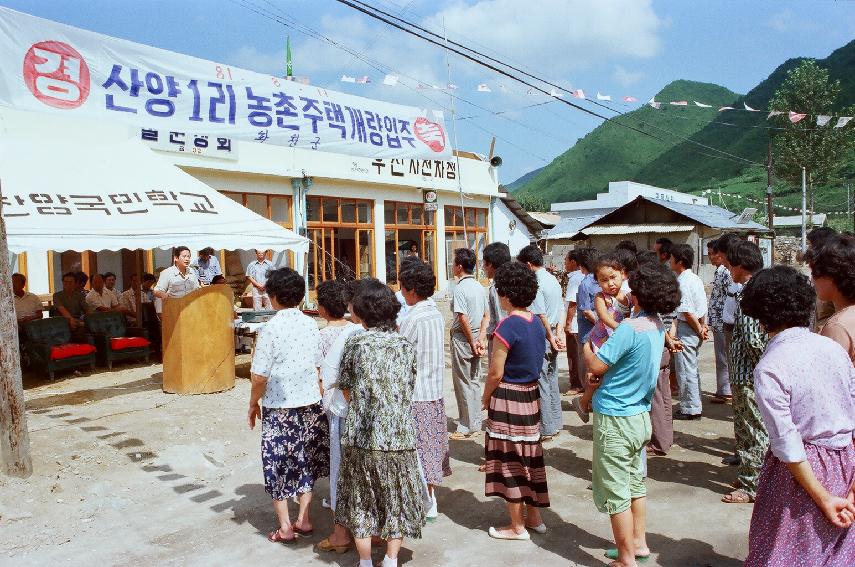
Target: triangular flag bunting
[774, 113]
[795, 116]
[555, 93]
[630, 99]
[451, 87]
[603, 97]
[749, 109]
[654, 103]
[348, 79]
[842, 121]
[702, 105]
[725, 108]
[822, 120]
[483, 88]
[391, 80]
[578, 93]
[363, 80]
[679, 103]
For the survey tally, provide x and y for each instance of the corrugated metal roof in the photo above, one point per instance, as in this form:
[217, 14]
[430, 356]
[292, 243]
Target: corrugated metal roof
[709, 215]
[819, 219]
[546, 219]
[619, 229]
[570, 227]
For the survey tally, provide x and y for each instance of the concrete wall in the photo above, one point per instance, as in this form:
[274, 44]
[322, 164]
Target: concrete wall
[502, 218]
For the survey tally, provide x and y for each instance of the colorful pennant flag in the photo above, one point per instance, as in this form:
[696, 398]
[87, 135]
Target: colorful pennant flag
[363, 80]
[749, 109]
[555, 93]
[654, 103]
[795, 116]
[390, 80]
[483, 88]
[603, 97]
[773, 114]
[679, 103]
[723, 108]
[822, 120]
[578, 93]
[348, 79]
[842, 121]
[702, 105]
[451, 87]
[630, 99]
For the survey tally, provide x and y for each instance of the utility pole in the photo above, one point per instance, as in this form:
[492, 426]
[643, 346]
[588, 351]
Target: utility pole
[15, 457]
[770, 210]
[849, 212]
[804, 209]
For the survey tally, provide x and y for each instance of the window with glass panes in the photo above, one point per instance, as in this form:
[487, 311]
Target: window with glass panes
[465, 227]
[341, 238]
[410, 231]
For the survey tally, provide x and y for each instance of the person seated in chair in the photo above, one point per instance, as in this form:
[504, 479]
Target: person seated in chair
[70, 303]
[28, 306]
[100, 298]
[128, 299]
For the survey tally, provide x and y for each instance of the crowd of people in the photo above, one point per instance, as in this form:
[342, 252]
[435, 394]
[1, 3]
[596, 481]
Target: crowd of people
[361, 400]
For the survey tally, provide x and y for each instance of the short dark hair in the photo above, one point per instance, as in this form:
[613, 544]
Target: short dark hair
[19, 275]
[531, 254]
[608, 259]
[419, 278]
[207, 251]
[176, 252]
[574, 255]
[376, 305]
[407, 260]
[72, 275]
[683, 255]
[516, 282]
[725, 241]
[286, 285]
[348, 291]
[655, 287]
[711, 244]
[81, 277]
[746, 255]
[218, 278]
[106, 275]
[330, 298]
[647, 257]
[149, 278]
[836, 261]
[665, 245]
[820, 235]
[627, 259]
[588, 258]
[496, 254]
[627, 245]
[779, 297]
[465, 258]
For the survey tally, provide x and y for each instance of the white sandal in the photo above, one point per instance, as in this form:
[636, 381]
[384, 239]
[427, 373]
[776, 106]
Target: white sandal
[496, 534]
[540, 529]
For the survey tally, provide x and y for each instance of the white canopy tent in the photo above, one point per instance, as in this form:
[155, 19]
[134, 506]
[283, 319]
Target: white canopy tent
[64, 194]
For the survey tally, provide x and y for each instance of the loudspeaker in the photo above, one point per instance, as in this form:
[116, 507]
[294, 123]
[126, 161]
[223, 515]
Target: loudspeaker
[495, 161]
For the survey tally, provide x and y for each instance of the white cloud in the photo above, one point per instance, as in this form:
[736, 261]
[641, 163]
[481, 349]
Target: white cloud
[626, 78]
[786, 22]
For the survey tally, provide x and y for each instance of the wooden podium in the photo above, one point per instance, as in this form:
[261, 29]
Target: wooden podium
[198, 341]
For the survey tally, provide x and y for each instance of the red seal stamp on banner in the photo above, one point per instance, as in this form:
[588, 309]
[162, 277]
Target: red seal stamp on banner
[56, 74]
[430, 134]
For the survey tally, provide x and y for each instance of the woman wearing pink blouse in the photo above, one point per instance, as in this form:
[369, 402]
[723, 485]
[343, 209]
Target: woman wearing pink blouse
[805, 387]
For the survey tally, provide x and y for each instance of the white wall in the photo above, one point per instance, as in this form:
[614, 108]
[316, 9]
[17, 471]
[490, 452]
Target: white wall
[516, 239]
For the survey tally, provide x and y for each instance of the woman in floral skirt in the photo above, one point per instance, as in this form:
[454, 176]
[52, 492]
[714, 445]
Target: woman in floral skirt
[380, 489]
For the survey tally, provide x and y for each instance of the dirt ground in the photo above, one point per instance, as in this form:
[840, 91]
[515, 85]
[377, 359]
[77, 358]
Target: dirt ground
[126, 475]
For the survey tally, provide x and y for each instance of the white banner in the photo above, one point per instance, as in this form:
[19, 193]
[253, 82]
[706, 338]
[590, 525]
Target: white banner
[51, 67]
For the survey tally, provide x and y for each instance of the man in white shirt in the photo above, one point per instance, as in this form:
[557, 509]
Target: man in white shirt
[179, 279]
[99, 297]
[28, 306]
[128, 299]
[256, 273]
[110, 284]
[549, 307]
[575, 275]
[691, 331]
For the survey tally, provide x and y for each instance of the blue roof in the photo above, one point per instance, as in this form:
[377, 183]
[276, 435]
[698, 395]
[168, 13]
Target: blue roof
[570, 227]
[709, 215]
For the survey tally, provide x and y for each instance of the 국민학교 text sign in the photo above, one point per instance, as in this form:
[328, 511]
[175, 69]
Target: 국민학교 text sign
[51, 67]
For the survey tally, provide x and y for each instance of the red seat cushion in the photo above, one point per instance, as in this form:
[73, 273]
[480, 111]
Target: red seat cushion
[120, 343]
[68, 350]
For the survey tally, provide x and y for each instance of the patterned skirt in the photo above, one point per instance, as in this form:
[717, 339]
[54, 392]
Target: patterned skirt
[295, 450]
[380, 493]
[432, 440]
[515, 468]
[787, 527]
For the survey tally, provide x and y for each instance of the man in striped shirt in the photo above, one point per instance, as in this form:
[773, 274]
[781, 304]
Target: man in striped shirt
[424, 326]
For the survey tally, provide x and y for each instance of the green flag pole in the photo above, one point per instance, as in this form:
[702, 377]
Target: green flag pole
[289, 67]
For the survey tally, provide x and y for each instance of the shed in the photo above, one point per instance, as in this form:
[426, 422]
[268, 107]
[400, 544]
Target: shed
[643, 220]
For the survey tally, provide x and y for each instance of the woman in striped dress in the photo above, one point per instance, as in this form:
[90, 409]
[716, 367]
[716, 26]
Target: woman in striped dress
[515, 468]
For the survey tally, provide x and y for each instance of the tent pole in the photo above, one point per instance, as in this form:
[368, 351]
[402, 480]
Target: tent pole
[15, 457]
[140, 269]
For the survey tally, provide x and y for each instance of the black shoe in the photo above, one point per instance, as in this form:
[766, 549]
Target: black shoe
[686, 416]
[732, 461]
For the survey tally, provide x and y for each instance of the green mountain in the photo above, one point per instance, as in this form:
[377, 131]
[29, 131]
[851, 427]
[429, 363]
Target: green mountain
[612, 153]
[519, 182]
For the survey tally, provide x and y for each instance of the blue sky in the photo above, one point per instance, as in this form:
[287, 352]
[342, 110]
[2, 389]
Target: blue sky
[619, 47]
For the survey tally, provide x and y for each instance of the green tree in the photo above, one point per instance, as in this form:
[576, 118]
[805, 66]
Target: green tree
[819, 149]
[532, 203]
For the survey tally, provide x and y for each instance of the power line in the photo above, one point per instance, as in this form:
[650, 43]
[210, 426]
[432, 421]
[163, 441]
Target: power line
[373, 12]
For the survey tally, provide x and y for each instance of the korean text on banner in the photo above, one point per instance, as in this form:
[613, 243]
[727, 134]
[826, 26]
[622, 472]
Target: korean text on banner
[52, 67]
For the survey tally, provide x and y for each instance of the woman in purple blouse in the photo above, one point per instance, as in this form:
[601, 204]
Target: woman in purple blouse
[805, 387]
